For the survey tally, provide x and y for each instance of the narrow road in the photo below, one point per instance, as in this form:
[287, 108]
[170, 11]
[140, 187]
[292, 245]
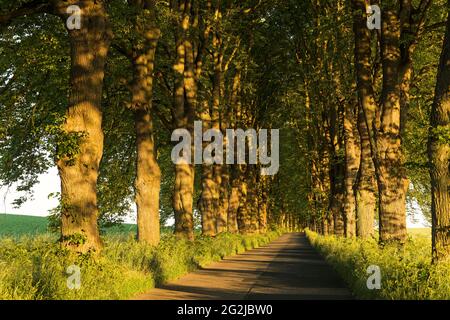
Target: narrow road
[287, 268]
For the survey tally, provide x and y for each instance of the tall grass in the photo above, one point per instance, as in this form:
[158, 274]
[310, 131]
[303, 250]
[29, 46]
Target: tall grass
[35, 267]
[406, 273]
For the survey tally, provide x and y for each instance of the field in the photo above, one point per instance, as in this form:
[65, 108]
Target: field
[420, 233]
[12, 225]
[18, 225]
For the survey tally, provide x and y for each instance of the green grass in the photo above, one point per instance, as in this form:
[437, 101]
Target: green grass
[18, 225]
[420, 233]
[34, 267]
[406, 273]
[12, 225]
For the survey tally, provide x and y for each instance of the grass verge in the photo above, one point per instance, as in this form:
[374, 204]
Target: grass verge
[35, 268]
[406, 273]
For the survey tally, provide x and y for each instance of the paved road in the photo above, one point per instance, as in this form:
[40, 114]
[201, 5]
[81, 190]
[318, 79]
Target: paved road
[287, 268]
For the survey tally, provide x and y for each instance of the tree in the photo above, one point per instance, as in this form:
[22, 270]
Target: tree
[439, 155]
[401, 28]
[365, 194]
[78, 160]
[79, 171]
[148, 174]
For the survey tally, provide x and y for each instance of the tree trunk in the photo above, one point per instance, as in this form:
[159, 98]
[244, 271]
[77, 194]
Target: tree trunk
[185, 101]
[243, 216]
[366, 185]
[148, 175]
[148, 180]
[365, 194]
[262, 203]
[79, 172]
[233, 203]
[329, 224]
[336, 173]
[183, 201]
[234, 112]
[384, 138]
[212, 214]
[222, 180]
[207, 204]
[252, 200]
[336, 210]
[232, 210]
[439, 156]
[391, 174]
[352, 158]
[324, 227]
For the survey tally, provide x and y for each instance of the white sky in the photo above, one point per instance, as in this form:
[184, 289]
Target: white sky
[40, 204]
[49, 183]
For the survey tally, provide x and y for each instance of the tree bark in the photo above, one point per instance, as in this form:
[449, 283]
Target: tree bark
[384, 133]
[352, 159]
[233, 202]
[213, 215]
[338, 218]
[79, 172]
[183, 201]
[148, 180]
[390, 171]
[366, 184]
[207, 204]
[148, 174]
[263, 203]
[184, 108]
[222, 181]
[365, 194]
[336, 171]
[233, 115]
[439, 156]
[243, 215]
[252, 200]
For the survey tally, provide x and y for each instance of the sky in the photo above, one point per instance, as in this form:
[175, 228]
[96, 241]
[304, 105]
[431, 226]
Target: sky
[49, 183]
[40, 204]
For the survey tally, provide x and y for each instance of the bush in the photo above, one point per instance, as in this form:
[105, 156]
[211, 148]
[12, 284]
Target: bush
[406, 273]
[35, 267]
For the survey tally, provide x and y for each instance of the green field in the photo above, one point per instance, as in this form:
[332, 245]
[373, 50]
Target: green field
[13, 225]
[420, 232]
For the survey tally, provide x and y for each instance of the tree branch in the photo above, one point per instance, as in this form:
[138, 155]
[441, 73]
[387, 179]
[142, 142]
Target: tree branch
[29, 8]
[123, 50]
[166, 123]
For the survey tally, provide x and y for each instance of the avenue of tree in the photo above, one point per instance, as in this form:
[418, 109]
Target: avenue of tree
[364, 114]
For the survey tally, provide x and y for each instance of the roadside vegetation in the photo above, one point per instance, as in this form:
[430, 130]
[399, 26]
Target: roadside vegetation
[406, 272]
[35, 268]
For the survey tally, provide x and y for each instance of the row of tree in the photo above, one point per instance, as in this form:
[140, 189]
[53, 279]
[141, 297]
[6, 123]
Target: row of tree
[361, 85]
[357, 109]
[137, 70]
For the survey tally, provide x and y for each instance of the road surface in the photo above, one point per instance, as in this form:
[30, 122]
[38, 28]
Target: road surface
[287, 268]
